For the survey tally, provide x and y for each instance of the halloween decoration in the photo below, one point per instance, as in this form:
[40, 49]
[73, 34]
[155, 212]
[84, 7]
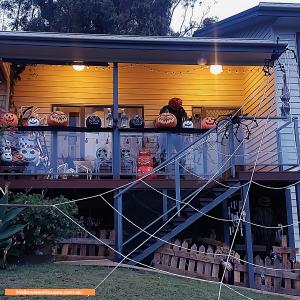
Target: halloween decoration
[18, 158]
[101, 154]
[137, 122]
[188, 124]
[166, 120]
[31, 155]
[8, 119]
[285, 97]
[109, 118]
[207, 123]
[175, 108]
[32, 121]
[234, 210]
[6, 158]
[124, 119]
[27, 141]
[93, 122]
[127, 162]
[232, 124]
[145, 163]
[57, 118]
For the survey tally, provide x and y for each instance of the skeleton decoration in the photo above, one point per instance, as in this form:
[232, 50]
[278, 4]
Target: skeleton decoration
[285, 97]
[230, 125]
[124, 118]
[234, 211]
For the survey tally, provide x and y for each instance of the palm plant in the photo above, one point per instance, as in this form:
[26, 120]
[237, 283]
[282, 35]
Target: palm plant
[8, 228]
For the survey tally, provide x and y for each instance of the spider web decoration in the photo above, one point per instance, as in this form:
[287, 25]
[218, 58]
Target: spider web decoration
[231, 124]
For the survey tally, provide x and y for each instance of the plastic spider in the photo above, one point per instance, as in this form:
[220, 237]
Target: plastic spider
[231, 124]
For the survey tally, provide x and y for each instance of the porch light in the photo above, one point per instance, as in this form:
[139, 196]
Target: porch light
[216, 69]
[78, 67]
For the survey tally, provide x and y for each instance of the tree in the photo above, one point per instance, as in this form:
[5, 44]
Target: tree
[137, 17]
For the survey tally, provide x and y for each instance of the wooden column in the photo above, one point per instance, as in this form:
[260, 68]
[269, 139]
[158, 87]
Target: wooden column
[248, 238]
[118, 220]
[116, 134]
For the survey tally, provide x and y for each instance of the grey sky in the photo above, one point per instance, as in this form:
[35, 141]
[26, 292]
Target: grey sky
[225, 8]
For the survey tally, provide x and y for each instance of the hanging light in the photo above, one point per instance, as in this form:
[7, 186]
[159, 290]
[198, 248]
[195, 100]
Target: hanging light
[216, 69]
[78, 67]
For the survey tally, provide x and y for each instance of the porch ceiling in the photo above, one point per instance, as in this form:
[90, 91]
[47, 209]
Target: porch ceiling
[56, 48]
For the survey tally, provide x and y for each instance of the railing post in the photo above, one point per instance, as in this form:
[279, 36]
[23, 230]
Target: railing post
[177, 186]
[226, 217]
[296, 132]
[116, 134]
[248, 238]
[54, 150]
[118, 204]
[297, 189]
[205, 160]
[289, 217]
[165, 205]
[231, 150]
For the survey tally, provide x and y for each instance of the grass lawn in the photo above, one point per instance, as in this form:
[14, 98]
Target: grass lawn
[123, 284]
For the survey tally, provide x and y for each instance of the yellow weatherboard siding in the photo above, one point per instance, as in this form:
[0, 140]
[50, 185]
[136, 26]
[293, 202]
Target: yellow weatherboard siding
[148, 85]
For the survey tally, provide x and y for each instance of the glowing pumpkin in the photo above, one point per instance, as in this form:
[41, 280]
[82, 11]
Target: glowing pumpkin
[8, 119]
[57, 118]
[208, 123]
[142, 171]
[166, 120]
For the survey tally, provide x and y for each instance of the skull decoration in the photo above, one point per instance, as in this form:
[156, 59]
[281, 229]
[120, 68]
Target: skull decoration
[137, 122]
[31, 155]
[9, 119]
[125, 153]
[93, 122]
[57, 118]
[101, 154]
[6, 156]
[188, 124]
[166, 120]
[208, 123]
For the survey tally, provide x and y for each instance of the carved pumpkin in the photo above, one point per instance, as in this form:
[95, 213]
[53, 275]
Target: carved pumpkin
[137, 122]
[208, 123]
[166, 120]
[9, 119]
[18, 158]
[188, 124]
[57, 118]
[93, 122]
[141, 171]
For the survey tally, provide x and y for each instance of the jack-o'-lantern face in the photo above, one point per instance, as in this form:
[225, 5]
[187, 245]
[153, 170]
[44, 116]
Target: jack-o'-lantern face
[57, 118]
[188, 124]
[8, 119]
[93, 122]
[33, 122]
[31, 155]
[166, 120]
[175, 103]
[18, 158]
[208, 123]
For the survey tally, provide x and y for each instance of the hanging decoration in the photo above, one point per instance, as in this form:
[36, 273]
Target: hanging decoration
[228, 125]
[235, 212]
[57, 118]
[285, 97]
[137, 122]
[93, 122]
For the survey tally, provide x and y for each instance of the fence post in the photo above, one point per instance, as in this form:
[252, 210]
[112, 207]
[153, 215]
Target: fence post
[118, 204]
[248, 238]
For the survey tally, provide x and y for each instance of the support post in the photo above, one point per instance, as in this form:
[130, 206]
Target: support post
[231, 150]
[296, 132]
[116, 134]
[177, 186]
[289, 217]
[297, 188]
[226, 217]
[53, 152]
[165, 205]
[118, 204]
[205, 159]
[248, 238]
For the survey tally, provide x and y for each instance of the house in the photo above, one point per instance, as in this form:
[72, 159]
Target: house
[62, 79]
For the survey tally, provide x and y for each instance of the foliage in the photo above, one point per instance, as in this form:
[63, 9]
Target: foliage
[8, 228]
[142, 17]
[45, 225]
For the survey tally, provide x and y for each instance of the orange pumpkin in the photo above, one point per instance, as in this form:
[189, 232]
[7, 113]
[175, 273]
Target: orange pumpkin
[57, 118]
[166, 120]
[8, 119]
[18, 158]
[208, 123]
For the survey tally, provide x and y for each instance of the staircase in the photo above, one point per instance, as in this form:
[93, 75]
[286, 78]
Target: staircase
[187, 217]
